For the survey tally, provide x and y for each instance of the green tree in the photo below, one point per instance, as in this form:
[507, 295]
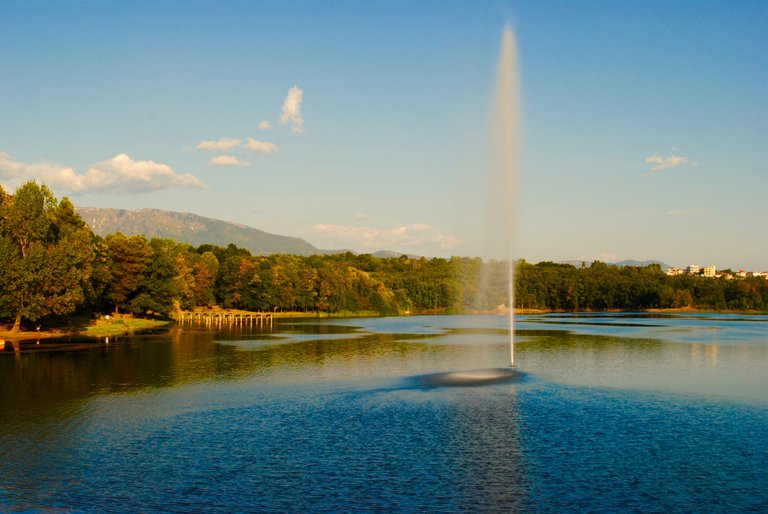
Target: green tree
[101, 276]
[46, 254]
[185, 278]
[128, 259]
[159, 287]
[230, 283]
[205, 271]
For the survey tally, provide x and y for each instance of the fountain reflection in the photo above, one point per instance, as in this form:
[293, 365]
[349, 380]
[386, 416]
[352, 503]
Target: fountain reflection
[483, 445]
[704, 355]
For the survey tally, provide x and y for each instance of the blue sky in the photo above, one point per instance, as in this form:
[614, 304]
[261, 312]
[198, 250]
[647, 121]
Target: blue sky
[644, 124]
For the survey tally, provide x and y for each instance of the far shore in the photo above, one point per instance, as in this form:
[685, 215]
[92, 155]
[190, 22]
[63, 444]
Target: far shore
[107, 326]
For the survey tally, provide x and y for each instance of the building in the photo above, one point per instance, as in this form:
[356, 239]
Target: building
[692, 270]
[709, 271]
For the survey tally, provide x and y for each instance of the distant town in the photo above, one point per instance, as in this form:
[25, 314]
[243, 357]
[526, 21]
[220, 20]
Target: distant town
[711, 271]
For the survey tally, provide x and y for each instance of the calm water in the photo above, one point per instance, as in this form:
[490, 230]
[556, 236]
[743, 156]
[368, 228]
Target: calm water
[614, 413]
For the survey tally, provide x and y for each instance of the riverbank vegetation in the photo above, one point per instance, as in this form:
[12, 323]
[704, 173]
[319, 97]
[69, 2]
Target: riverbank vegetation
[600, 286]
[51, 264]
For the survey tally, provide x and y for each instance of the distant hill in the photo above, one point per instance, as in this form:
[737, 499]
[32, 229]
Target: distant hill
[192, 229]
[388, 254]
[622, 264]
[630, 262]
[381, 254]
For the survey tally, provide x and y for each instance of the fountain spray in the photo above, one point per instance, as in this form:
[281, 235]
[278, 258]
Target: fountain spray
[506, 139]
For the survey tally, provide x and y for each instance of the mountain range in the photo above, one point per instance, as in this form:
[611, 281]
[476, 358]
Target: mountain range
[197, 230]
[192, 229]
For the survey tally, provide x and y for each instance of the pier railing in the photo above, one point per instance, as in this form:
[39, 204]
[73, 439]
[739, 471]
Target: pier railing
[220, 317]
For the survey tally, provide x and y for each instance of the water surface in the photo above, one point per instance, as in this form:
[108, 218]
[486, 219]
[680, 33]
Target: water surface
[613, 412]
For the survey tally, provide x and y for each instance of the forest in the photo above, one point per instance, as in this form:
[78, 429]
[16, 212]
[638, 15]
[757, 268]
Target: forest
[51, 264]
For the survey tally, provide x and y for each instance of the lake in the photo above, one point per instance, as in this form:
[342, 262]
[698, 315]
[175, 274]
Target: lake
[610, 413]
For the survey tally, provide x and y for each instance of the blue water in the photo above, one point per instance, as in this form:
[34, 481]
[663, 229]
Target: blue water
[326, 416]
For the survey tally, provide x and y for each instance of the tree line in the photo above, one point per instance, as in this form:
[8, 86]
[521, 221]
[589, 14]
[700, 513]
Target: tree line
[600, 286]
[51, 263]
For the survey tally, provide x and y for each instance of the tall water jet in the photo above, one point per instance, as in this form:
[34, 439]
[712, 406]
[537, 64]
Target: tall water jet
[506, 155]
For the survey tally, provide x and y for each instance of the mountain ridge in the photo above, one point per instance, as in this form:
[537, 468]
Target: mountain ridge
[197, 230]
[192, 229]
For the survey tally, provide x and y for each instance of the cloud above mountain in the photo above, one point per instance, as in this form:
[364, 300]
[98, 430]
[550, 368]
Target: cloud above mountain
[372, 238]
[222, 145]
[260, 147]
[119, 175]
[227, 160]
[291, 114]
[226, 144]
[662, 163]
[228, 147]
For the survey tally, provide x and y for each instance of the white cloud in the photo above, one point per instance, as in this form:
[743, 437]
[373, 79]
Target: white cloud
[225, 144]
[9, 167]
[222, 145]
[120, 174]
[227, 160]
[370, 238]
[292, 111]
[662, 163]
[265, 125]
[262, 147]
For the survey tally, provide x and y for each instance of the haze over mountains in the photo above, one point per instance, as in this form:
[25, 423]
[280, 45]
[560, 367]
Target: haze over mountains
[197, 230]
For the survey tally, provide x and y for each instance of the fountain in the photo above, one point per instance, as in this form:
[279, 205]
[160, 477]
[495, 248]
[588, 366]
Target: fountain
[506, 135]
[505, 151]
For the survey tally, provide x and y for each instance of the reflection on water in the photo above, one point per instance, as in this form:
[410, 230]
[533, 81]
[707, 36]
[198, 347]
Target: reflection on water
[616, 412]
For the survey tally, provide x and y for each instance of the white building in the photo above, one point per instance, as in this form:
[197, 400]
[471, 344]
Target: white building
[709, 271]
[692, 270]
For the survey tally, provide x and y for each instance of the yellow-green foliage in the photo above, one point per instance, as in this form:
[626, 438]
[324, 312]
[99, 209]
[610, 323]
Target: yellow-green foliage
[120, 326]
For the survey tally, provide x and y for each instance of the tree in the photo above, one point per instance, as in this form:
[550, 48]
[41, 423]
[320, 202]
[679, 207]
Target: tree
[101, 276]
[46, 254]
[205, 271]
[128, 259]
[230, 283]
[159, 286]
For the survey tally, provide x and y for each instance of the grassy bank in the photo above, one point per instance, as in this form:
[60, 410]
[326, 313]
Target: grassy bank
[121, 326]
[79, 326]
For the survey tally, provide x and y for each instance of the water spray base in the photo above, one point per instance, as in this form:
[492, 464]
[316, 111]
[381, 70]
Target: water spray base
[471, 378]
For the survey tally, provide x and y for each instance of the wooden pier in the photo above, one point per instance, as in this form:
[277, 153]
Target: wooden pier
[225, 317]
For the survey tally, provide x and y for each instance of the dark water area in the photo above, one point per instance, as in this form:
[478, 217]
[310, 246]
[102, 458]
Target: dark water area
[606, 413]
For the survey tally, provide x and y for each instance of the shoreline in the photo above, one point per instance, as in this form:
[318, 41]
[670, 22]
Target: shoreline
[122, 325]
[126, 325]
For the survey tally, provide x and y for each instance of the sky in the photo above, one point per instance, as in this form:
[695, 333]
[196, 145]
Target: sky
[365, 125]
